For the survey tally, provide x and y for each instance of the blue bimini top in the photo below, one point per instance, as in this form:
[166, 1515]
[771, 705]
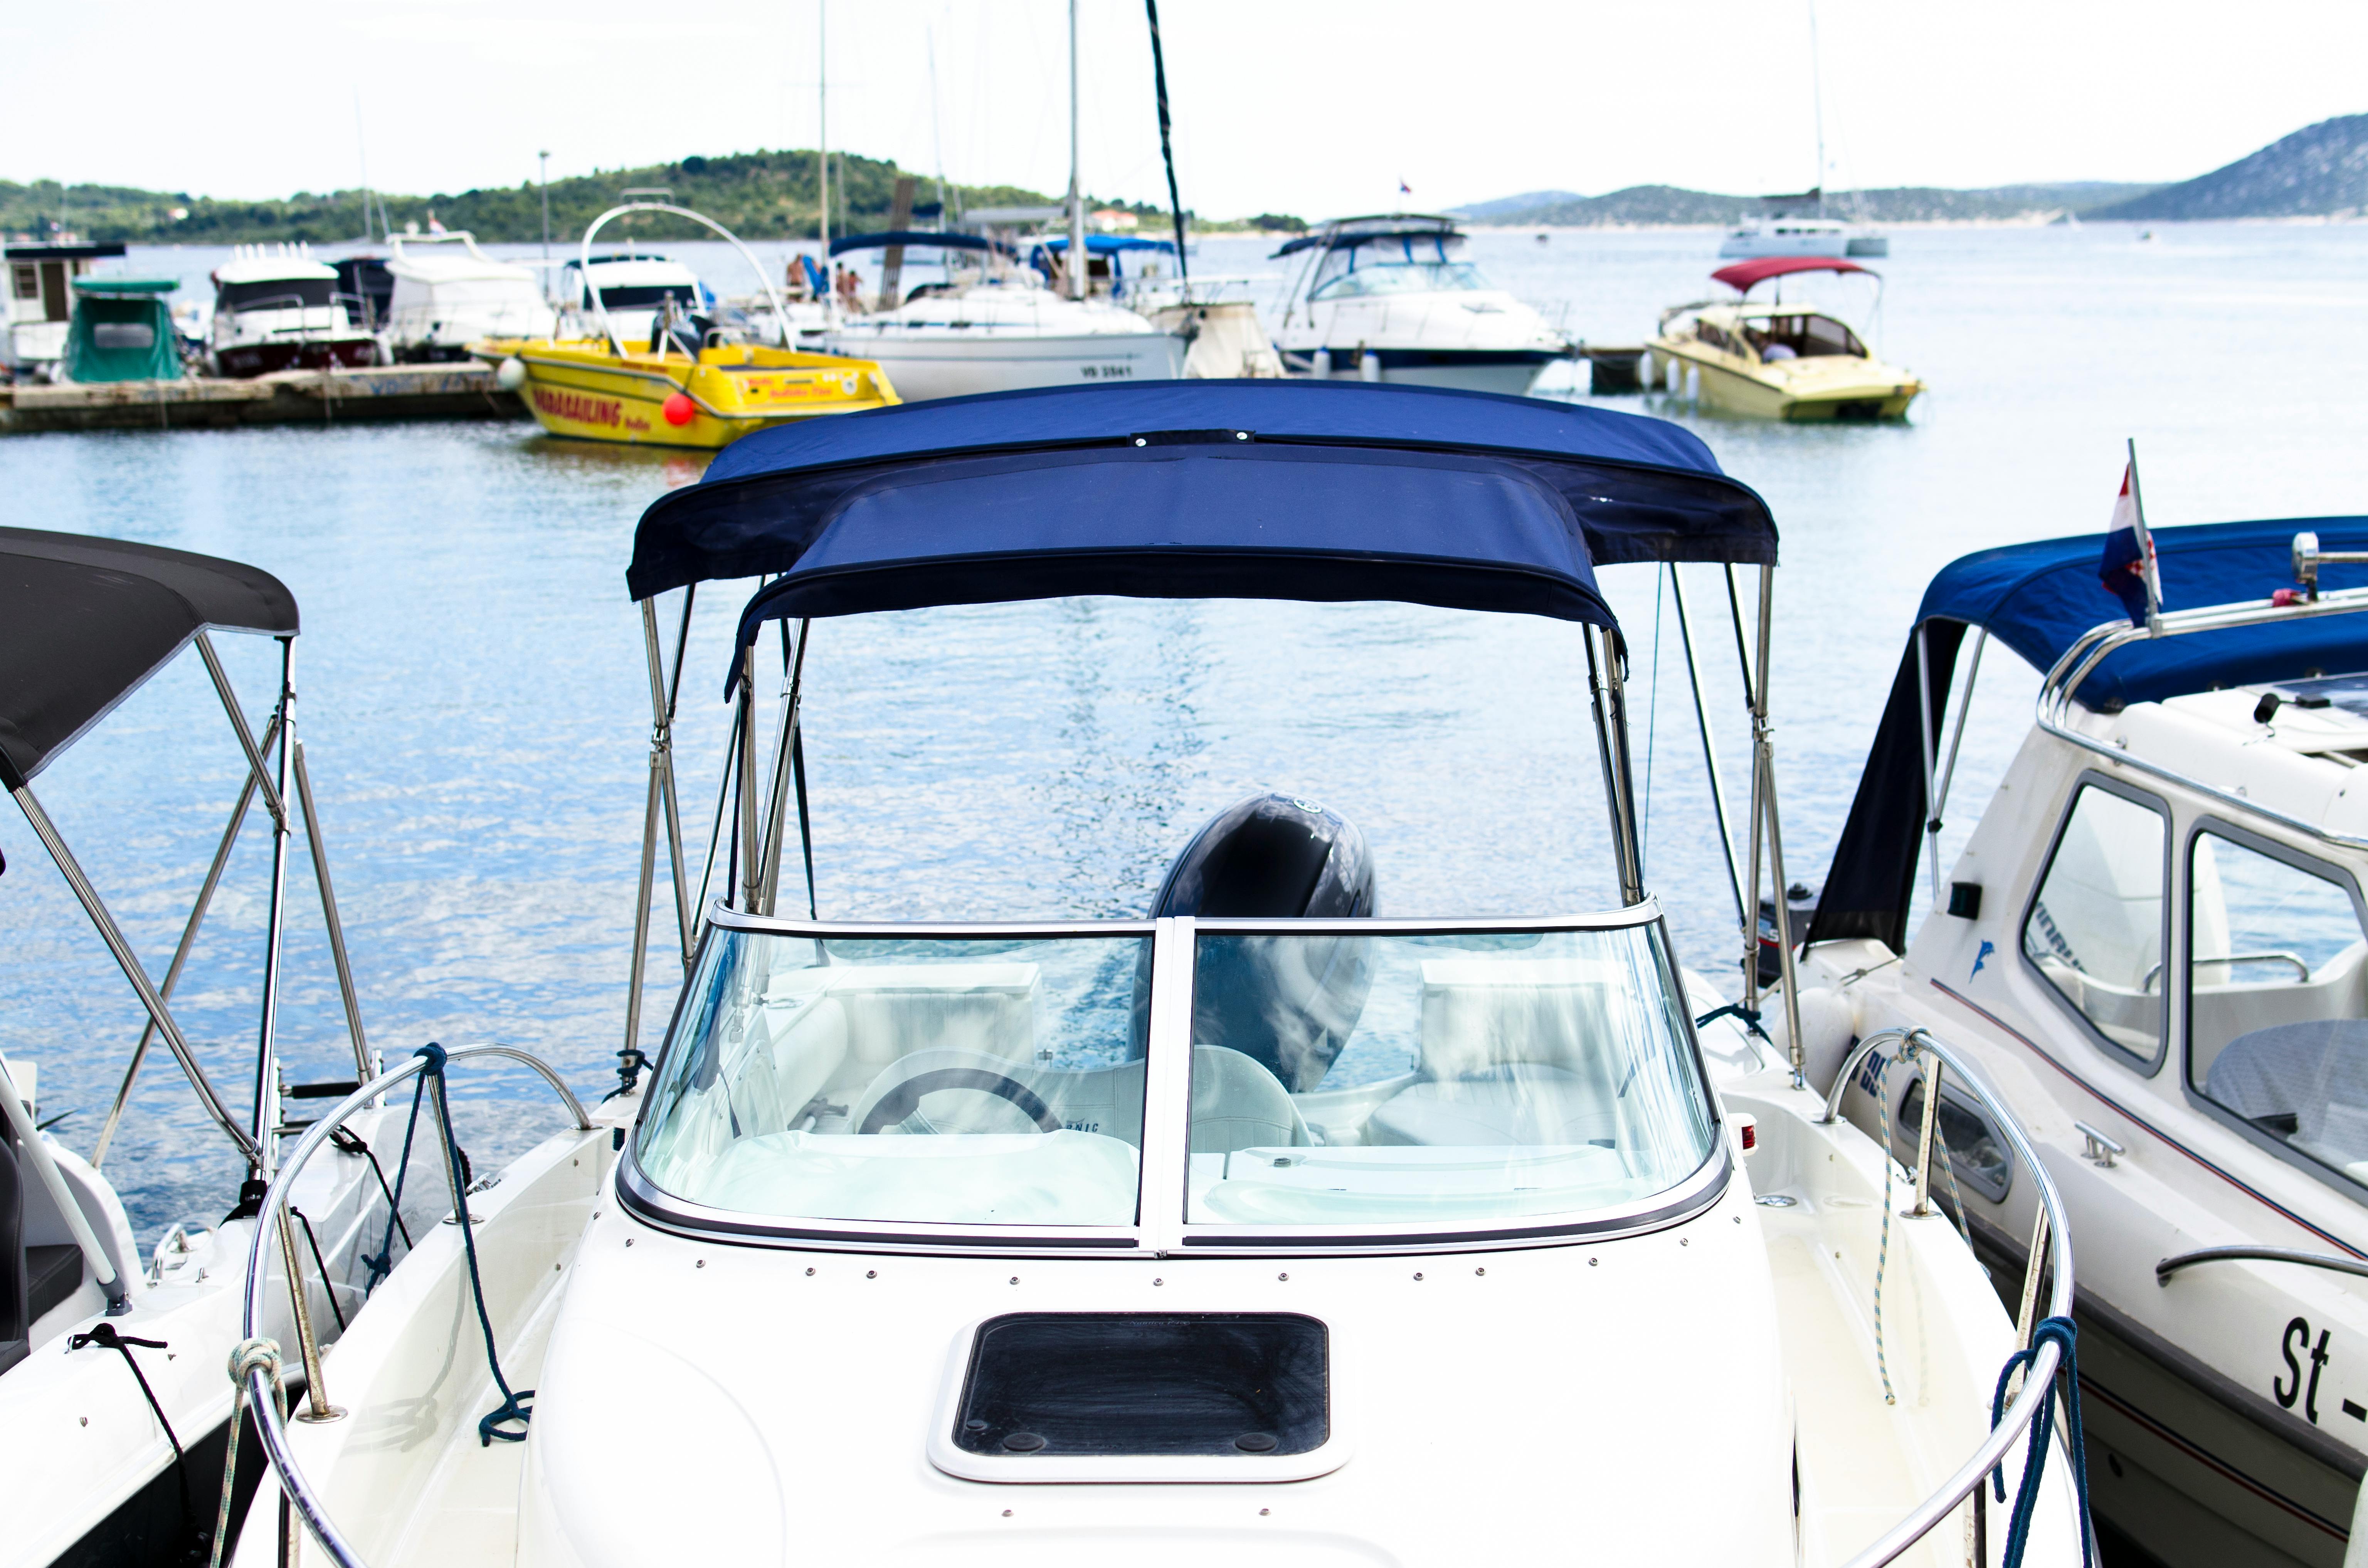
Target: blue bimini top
[2039, 599]
[1297, 490]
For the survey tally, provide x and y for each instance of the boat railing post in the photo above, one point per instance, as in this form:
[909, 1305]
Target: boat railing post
[750, 870]
[1924, 1137]
[267, 1077]
[308, 1344]
[1764, 749]
[1751, 857]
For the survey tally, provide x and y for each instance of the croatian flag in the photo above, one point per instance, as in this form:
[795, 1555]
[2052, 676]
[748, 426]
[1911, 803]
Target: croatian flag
[2126, 552]
[1403, 189]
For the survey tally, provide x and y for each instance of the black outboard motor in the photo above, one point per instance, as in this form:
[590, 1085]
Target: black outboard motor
[1289, 1004]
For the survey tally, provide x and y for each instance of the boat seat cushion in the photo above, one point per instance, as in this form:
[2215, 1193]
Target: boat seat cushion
[1519, 1102]
[52, 1274]
[2314, 1072]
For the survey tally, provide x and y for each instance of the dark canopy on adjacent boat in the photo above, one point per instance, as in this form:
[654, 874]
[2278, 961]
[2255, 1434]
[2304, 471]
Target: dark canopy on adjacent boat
[1745, 276]
[1204, 489]
[2039, 599]
[919, 239]
[90, 619]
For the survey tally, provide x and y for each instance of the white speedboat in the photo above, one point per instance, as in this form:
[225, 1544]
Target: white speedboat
[994, 326]
[114, 1421]
[276, 308]
[1260, 1229]
[1387, 299]
[636, 290]
[446, 297]
[2153, 943]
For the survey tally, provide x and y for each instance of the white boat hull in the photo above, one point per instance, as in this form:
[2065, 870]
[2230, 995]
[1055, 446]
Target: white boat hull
[953, 363]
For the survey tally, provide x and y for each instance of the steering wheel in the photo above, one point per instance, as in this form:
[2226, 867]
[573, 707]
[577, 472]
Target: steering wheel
[905, 1098]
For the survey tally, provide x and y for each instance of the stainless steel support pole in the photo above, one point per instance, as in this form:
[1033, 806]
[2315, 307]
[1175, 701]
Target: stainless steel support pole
[267, 1041]
[682, 903]
[45, 1171]
[129, 961]
[1709, 750]
[1632, 882]
[1964, 705]
[1765, 744]
[308, 1344]
[1758, 810]
[634, 979]
[275, 801]
[181, 953]
[330, 918]
[1924, 1137]
[751, 861]
[1080, 269]
[1600, 708]
[785, 759]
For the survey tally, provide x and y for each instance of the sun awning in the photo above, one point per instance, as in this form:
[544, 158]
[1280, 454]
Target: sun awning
[2039, 599]
[1624, 487]
[90, 619]
[918, 239]
[1744, 276]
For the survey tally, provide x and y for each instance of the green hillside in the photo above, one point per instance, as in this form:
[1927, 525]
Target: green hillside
[759, 196]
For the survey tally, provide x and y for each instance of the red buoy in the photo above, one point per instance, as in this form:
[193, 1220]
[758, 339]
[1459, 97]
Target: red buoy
[679, 409]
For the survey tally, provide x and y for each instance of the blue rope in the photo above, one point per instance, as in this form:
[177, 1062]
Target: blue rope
[1749, 1017]
[2057, 1331]
[382, 1263]
[516, 1404]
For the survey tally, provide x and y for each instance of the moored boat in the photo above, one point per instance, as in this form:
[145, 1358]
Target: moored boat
[443, 298]
[1188, 1235]
[2153, 942]
[1771, 360]
[276, 308]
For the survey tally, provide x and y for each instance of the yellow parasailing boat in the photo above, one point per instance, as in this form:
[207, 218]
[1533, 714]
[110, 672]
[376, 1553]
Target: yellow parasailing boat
[689, 387]
[592, 390]
[1771, 360]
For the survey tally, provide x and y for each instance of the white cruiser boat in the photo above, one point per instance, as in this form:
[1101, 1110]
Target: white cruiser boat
[2154, 945]
[638, 289]
[276, 308]
[114, 1419]
[1386, 299]
[996, 327]
[1262, 1229]
[448, 294]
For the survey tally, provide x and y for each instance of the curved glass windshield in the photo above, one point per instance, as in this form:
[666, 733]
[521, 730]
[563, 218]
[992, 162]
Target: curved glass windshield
[989, 1081]
[1401, 278]
[1457, 1078]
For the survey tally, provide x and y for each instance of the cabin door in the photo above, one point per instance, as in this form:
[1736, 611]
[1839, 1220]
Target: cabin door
[56, 303]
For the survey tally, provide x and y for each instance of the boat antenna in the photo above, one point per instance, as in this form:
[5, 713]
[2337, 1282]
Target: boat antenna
[361, 156]
[1167, 151]
[1818, 104]
[1078, 265]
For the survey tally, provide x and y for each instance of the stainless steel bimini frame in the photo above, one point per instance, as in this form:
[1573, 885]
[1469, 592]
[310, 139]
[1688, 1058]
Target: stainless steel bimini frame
[271, 764]
[2050, 1258]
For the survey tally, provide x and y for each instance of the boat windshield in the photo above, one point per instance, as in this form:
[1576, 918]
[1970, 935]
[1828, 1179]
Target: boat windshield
[276, 294]
[1448, 1078]
[1803, 336]
[987, 1081]
[1395, 264]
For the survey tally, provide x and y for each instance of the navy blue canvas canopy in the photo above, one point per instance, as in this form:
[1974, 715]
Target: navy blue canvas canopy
[2039, 599]
[1202, 489]
[1106, 245]
[917, 238]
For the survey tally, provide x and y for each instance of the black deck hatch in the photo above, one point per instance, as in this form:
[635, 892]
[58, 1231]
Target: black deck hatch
[1146, 1383]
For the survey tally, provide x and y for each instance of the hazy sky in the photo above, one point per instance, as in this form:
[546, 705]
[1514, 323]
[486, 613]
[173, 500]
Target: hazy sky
[1280, 105]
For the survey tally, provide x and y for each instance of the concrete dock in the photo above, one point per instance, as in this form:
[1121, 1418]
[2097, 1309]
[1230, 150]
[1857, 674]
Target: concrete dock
[289, 397]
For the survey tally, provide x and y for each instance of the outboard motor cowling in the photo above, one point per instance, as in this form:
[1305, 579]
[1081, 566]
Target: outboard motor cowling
[1288, 1003]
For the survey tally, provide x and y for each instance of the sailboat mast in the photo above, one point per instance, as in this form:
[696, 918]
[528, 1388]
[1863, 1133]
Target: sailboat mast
[1077, 264]
[1818, 102]
[822, 122]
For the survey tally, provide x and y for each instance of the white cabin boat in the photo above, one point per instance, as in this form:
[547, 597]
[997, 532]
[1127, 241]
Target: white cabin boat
[446, 297]
[1259, 1229]
[41, 304]
[2153, 944]
[1387, 299]
[1787, 233]
[276, 308]
[635, 287]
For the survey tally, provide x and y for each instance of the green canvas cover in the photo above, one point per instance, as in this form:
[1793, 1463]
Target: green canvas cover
[122, 331]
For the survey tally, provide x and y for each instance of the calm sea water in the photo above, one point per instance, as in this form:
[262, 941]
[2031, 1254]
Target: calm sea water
[472, 702]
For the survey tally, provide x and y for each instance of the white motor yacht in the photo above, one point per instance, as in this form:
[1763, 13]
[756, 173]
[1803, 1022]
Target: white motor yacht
[2153, 944]
[1387, 299]
[114, 1420]
[276, 308]
[1262, 1228]
[448, 294]
[1793, 234]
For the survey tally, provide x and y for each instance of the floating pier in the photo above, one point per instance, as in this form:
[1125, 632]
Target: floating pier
[1611, 370]
[288, 397]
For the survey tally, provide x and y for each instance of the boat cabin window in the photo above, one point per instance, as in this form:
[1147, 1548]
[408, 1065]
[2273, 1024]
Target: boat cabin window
[1716, 337]
[1976, 1153]
[646, 296]
[1460, 1078]
[2275, 1001]
[985, 1081]
[1806, 337]
[274, 294]
[2095, 928]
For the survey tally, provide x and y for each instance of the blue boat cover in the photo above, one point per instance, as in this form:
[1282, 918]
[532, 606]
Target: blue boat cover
[1204, 489]
[2039, 599]
[1106, 245]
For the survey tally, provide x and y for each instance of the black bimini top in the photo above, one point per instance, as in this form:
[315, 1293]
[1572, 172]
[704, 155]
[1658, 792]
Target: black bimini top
[1282, 490]
[90, 619]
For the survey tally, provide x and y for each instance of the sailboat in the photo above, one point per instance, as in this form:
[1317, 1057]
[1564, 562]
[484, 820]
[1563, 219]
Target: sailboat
[1799, 225]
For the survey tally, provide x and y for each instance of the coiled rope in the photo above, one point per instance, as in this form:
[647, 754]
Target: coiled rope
[517, 1404]
[246, 1357]
[2059, 1332]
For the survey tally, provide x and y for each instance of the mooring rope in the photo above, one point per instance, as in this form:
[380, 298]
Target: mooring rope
[1883, 1249]
[517, 1404]
[2059, 1332]
[246, 1357]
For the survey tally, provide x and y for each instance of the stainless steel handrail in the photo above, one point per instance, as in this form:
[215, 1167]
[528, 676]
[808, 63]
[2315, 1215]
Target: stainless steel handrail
[2020, 1410]
[2170, 1265]
[2080, 660]
[268, 1426]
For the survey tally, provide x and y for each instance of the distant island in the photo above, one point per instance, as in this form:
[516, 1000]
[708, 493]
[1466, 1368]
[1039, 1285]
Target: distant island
[2318, 172]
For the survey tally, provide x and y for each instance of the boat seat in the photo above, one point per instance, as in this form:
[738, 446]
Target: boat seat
[785, 1068]
[1509, 1054]
[2305, 1081]
[53, 1275]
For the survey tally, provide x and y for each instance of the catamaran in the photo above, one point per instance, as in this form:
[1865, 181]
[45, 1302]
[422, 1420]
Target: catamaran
[1267, 1226]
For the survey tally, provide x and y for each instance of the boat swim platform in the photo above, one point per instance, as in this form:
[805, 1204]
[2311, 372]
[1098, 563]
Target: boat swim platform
[371, 395]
